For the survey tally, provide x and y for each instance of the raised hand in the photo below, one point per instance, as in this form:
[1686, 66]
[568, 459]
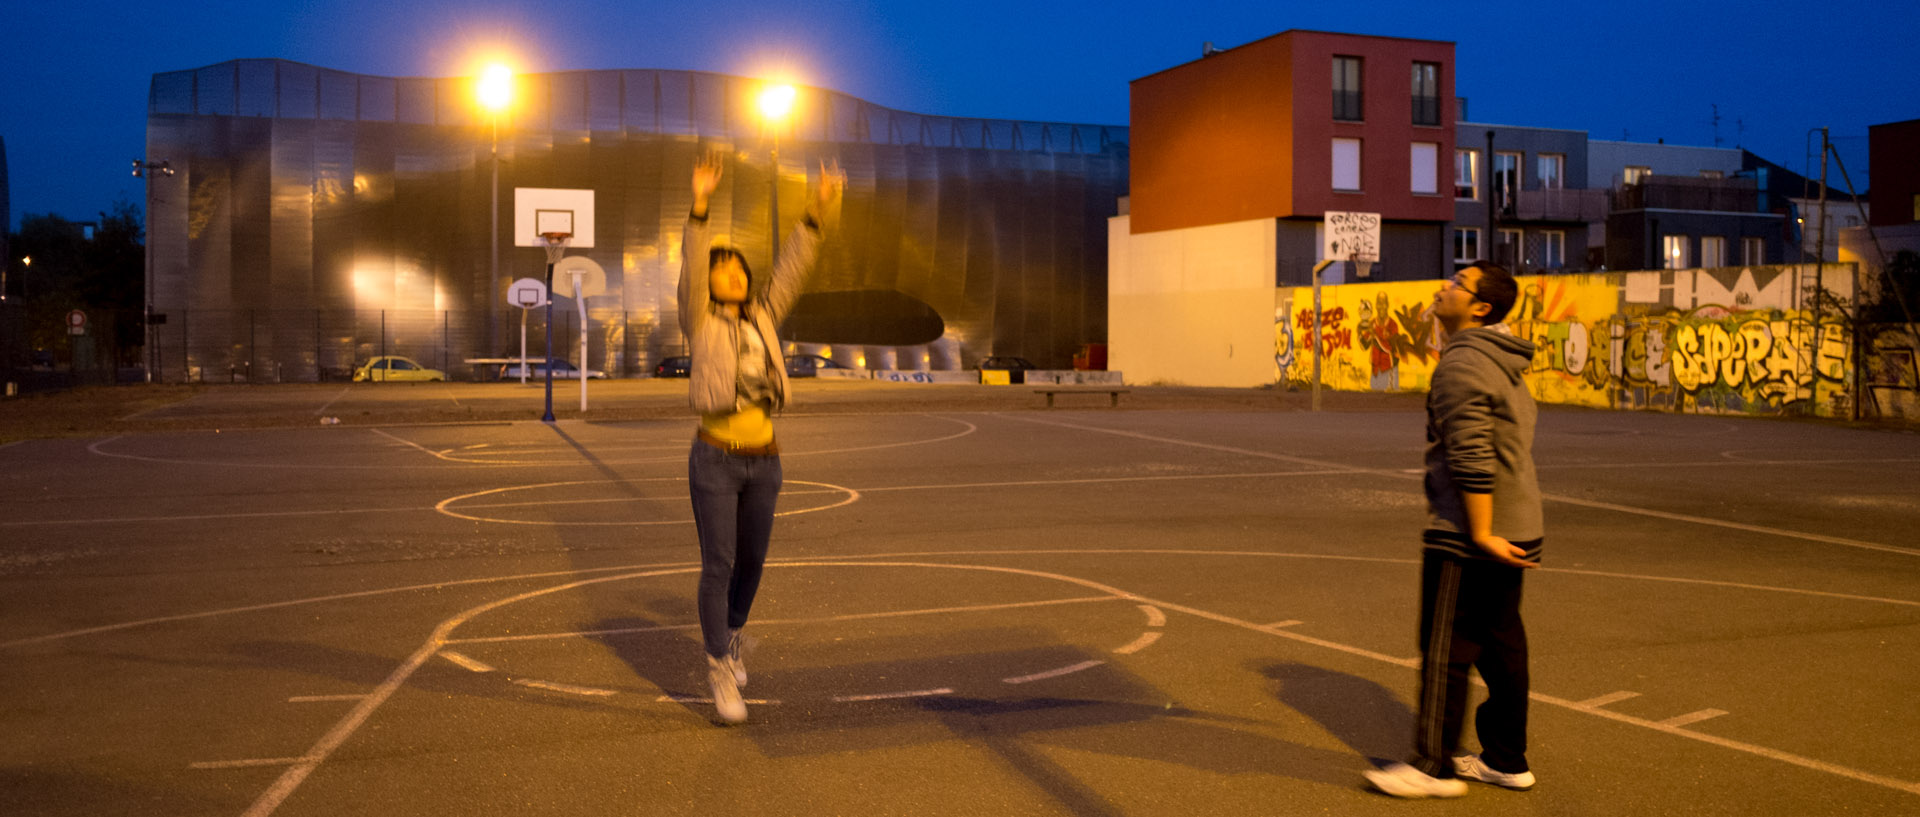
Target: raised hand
[706, 178]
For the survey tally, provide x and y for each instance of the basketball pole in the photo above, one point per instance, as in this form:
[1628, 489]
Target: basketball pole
[547, 364]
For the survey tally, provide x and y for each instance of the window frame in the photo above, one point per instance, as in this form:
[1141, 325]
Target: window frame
[1432, 167]
[1553, 244]
[1634, 174]
[1349, 104]
[1675, 251]
[1359, 163]
[1519, 177]
[1431, 100]
[1558, 161]
[1718, 258]
[1473, 173]
[1753, 251]
[1462, 235]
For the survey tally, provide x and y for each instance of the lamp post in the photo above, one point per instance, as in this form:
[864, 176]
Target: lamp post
[144, 169]
[495, 92]
[776, 101]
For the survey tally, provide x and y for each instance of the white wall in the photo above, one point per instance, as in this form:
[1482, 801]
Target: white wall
[1191, 307]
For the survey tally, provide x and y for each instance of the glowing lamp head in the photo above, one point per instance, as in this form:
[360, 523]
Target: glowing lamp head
[496, 87]
[776, 101]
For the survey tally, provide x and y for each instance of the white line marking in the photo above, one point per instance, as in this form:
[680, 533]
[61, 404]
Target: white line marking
[771, 621]
[1611, 697]
[1145, 640]
[1054, 673]
[1288, 623]
[13, 443]
[416, 446]
[312, 699]
[442, 507]
[570, 689]
[693, 699]
[1588, 503]
[1719, 463]
[1692, 717]
[1104, 480]
[1155, 618]
[246, 764]
[329, 404]
[121, 520]
[887, 696]
[464, 661]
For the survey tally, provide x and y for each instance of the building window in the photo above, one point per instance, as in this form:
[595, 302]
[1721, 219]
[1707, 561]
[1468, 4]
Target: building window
[1713, 251]
[1553, 171]
[1713, 174]
[1673, 252]
[1507, 252]
[1346, 164]
[1635, 174]
[1426, 167]
[1553, 249]
[1753, 251]
[1347, 98]
[1466, 244]
[1506, 179]
[1426, 93]
[1466, 176]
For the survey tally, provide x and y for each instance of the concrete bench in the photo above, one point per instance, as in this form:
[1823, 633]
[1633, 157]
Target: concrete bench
[1112, 392]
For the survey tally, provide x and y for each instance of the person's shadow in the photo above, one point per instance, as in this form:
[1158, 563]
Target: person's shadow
[1362, 714]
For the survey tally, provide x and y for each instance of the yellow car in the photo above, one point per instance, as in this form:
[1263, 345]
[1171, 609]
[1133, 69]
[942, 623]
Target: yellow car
[394, 368]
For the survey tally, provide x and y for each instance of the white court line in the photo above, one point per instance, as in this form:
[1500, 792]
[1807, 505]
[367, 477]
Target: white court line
[246, 764]
[570, 689]
[1611, 697]
[329, 404]
[1155, 618]
[1145, 640]
[1721, 463]
[11, 444]
[1588, 503]
[1054, 673]
[1103, 480]
[464, 661]
[1288, 623]
[204, 517]
[693, 699]
[404, 441]
[772, 621]
[1693, 717]
[314, 699]
[887, 696]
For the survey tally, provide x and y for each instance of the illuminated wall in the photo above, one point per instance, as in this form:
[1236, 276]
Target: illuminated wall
[320, 217]
[1738, 340]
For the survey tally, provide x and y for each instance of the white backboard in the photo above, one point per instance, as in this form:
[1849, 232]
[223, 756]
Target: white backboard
[593, 279]
[547, 209]
[527, 293]
[1351, 236]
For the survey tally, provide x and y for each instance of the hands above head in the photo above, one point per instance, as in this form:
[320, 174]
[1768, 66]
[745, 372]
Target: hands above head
[706, 179]
[828, 190]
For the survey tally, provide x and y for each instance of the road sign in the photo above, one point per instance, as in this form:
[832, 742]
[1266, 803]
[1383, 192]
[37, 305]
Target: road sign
[76, 322]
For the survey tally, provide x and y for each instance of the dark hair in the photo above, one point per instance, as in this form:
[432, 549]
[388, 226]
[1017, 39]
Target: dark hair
[1497, 290]
[720, 253]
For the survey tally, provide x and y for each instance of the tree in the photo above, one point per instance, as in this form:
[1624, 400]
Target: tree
[103, 276]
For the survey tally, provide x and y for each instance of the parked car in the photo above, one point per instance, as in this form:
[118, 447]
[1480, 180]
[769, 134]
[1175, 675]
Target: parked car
[562, 370]
[676, 366]
[394, 368]
[807, 365]
[1007, 363]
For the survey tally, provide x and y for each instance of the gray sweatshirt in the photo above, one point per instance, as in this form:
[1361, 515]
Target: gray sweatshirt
[1480, 421]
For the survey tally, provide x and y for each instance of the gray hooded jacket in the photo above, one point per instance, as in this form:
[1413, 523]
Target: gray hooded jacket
[1480, 421]
[713, 336]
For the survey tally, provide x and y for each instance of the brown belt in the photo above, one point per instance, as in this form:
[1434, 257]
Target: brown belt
[772, 448]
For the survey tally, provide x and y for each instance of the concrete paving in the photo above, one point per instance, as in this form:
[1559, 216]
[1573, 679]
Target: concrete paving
[1199, 603]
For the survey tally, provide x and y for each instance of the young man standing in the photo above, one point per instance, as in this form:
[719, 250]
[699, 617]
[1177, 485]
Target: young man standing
[1483, 532]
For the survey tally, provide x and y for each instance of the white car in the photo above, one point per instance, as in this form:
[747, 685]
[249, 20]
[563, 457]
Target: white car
[562, 370]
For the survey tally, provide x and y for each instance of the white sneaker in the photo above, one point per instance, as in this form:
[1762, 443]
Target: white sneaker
[1401, 780]
[726, 694]
[735, 660]
[1471, 768]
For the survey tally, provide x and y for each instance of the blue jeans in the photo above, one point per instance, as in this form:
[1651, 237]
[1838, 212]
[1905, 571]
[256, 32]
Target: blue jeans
[733, 498]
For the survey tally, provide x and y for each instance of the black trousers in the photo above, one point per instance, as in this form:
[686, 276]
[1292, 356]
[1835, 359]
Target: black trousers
[1470, 618]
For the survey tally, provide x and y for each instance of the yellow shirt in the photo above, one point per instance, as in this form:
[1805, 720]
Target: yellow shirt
[749, 426]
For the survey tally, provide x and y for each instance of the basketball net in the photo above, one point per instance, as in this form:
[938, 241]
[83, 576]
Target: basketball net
[556, 246]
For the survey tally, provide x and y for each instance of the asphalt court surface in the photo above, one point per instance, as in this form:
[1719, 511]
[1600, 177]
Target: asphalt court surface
[1014, 612]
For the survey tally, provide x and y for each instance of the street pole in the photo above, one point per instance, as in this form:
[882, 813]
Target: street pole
[773, 206]
[493, 243]
[1315, 337]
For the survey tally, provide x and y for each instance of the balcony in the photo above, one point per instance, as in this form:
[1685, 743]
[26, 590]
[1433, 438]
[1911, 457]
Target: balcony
[1560, 205]
[1689, 193]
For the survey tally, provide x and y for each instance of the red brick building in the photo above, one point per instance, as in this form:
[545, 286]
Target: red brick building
[1297, 124]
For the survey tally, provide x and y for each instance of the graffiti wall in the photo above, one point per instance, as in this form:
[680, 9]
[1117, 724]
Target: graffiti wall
[1739, 340]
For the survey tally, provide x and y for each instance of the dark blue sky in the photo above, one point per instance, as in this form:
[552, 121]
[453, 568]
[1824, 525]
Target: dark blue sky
[74, 73]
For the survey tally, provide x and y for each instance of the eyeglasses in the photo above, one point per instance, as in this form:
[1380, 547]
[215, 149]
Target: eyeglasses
[1455, 283]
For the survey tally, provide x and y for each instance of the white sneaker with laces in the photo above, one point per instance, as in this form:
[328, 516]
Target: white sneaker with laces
[1472, 768]
[726, 694]
[1401, 780]
[737, 662]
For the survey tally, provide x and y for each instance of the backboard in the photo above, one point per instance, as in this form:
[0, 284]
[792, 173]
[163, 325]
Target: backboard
[538, 210]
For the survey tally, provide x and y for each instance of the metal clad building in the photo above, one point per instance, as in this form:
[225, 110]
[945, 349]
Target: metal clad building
[320, 217]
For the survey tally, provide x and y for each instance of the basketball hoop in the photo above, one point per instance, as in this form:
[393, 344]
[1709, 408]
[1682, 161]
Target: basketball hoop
[556, 245]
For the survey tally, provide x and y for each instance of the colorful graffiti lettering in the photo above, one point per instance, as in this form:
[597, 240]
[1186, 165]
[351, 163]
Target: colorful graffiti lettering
[1611, 341]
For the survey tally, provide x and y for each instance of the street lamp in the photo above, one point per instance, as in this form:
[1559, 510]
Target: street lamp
[143, 169]
[495, 92]
[776, 101]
